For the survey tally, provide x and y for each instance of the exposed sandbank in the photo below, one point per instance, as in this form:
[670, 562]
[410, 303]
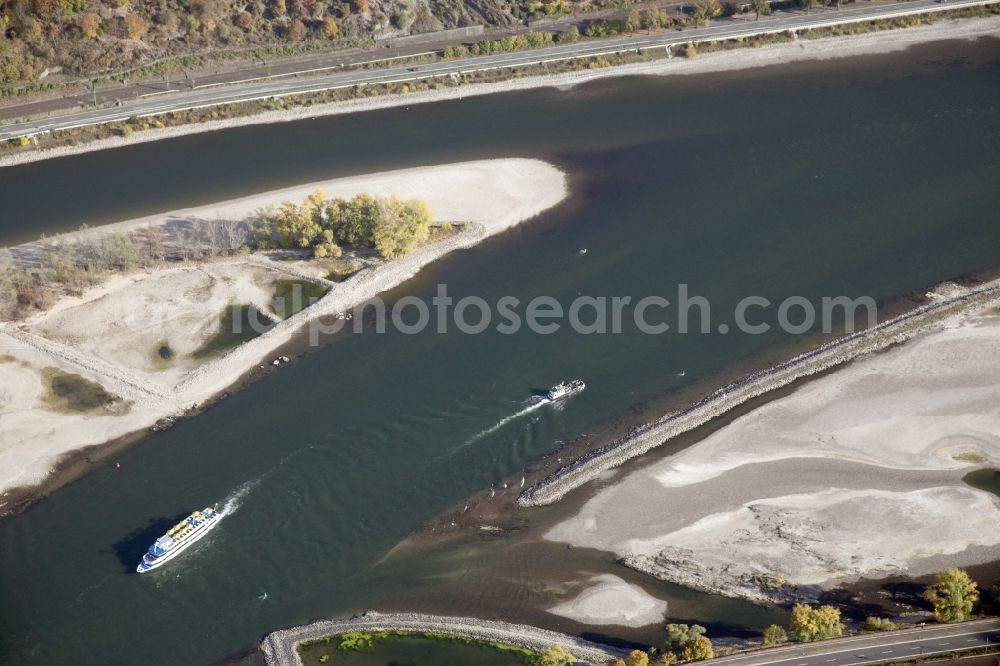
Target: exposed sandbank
[106, 335]
[871, 454]
[609, 600]
[743, 58]
[943, 311]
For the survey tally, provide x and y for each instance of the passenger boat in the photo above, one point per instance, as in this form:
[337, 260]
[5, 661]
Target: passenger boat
[179, 538]
[565, 389]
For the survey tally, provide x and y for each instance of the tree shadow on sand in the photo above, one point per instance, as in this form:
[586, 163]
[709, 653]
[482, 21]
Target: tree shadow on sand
[721, 628]
[613, 641]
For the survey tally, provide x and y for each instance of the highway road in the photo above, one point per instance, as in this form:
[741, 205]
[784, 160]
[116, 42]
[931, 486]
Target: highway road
[201, 97]
[875, 648]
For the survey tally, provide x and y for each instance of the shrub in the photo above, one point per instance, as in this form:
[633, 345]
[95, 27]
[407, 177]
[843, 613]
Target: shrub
[816, 624]
[89, 25]
[873, 623]
[135, 26]
[774, 635]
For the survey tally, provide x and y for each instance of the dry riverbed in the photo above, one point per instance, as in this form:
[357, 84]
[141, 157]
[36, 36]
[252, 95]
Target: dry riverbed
[151, 345]
[855, 474]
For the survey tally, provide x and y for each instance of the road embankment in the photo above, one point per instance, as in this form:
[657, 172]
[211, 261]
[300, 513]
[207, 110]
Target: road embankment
[280, 647]
[928, 317]
[458, 80]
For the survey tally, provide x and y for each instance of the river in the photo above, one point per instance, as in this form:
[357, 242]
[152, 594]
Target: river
[873, 176]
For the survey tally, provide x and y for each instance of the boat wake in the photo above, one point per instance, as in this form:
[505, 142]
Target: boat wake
[232, 502]
[235, 498]
[536, 403]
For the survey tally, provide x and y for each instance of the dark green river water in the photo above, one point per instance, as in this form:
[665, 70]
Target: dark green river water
[857, 177]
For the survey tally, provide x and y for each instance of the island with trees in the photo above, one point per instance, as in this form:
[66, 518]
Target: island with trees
[114, 330]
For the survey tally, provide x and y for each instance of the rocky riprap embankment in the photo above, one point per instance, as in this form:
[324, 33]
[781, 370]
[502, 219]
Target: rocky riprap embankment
[279, 647]
[554, 487]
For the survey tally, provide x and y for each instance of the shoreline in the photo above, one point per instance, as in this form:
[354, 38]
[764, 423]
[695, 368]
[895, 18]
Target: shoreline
[554, 487]
[279, 647]
[825, 48]
[496, 195]
[770, 507]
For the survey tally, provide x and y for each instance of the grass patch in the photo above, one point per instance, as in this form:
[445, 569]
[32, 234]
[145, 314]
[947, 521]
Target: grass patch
[337, 275]
[238, 324]
[969, 457]
[293, 296]
[7, 358]
[339, 270]
[374, 647]
[443, 231]
[69, 393]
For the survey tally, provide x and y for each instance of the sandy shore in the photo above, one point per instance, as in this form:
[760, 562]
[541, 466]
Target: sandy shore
[744, 58]
[279, 646]
[871, 454]
[107, 335]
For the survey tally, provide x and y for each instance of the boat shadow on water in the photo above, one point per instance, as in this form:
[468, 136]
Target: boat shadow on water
[130, 549]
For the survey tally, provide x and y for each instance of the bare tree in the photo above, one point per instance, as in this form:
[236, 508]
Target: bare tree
[150, 245]
[59, 265]
[8, 293]
[234, 234]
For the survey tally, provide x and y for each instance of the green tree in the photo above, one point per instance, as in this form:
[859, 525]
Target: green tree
[401, 227]
[632, 22]
[556, 655]
[637, 658]
[761, 7]
[703, 11]
[815, 624]
[953, 595]
[774, 635]
[354, 221]
[570, 36]
[700, 648]
[295, 226]
[655, 18]
[679, 636]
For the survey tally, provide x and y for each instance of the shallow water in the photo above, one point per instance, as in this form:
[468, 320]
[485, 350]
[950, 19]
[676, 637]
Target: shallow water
[984, 479]
[872, 177]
